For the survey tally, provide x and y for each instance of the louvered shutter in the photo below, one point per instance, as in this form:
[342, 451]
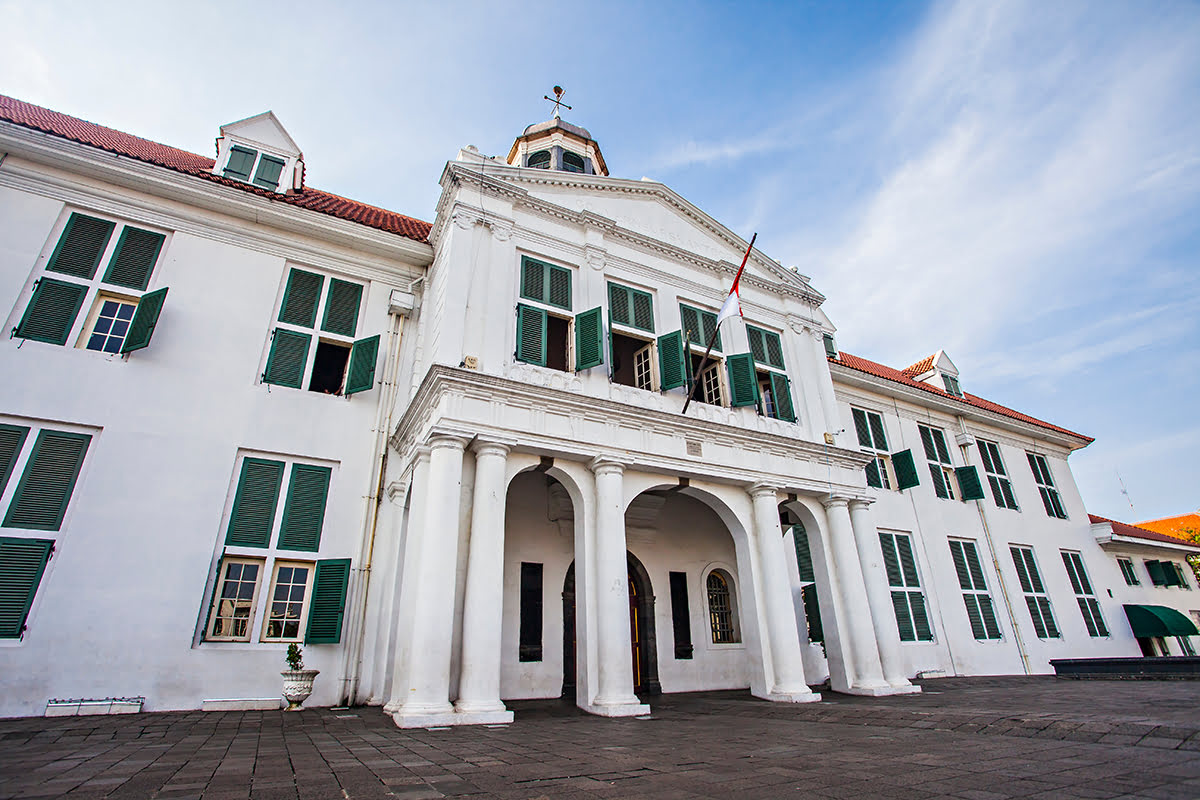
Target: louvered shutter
[743, 382]
[51, 312]
[830, 346]
[969, 487]
[757, 347]
[989, 617]
[908, 564]
[360, 376]
[269, 170]
[589, 339]
[906, 470]
[890, 562]
[939, 481]
[861, 428]
[145, 319]
[254, 504]
[1035, 577]
[781, 393]
[940, 441]
[328, 605]
[927, 443]
[1086, 612]
[304, 509]
[49, 479]
[904, 621]
[558, 289]
[975, 567]
[986, 453]
[873, 475]
[974, 616]
[22, 563]
[1048, 618]
[136, 254]
[1072, 575]
[341, 310]
[300, 298]
[1035, 614]
[812, 613]
[643, 311]
[877, 431]
[1158, 575]
[240, 162]
[618, 304]
[774, 349]
[920, 617]
[531, 335]
[82, 244]
[960, 565]
[533, 280]
[289, 355]
[689, 318]
[804, 562]
[671, 372]
[12, 439]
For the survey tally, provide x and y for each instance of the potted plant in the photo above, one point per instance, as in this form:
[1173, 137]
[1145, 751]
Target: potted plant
[297, 681]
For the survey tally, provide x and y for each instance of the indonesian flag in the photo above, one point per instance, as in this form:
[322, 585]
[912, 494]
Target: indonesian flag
[733, 304]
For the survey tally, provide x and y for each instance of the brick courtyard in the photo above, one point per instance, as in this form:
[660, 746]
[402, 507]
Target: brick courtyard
[968, 738]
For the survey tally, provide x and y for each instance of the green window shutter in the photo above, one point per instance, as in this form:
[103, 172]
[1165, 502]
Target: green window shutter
[938, 477]
[1097, 617]
[268, 172]
[989, 617]
[969, 486]
[619, 304]
[82, 244]
[940, 441]
[830, 346]
[804, 562]
[960, 566]
[974, 616]
[300, 298]
[920, 617]
[1035, 614]
[22, 563]
[781, 393]
[774, 350]
[973, 564]
[1158, 575]
[533, 279]
[1071, 574]
[1022, 573]
[45, 489]
[689, 318]
[1010, 500]
[904, 621]
[743, 382]
[589, 339]
[328, 602]
[254, 504]
[873, 476]
[643, 311]
[341, 311]
[908, 564]
[531, 335]
[12, 439]
[709, 320]
[558, 287]
[670, 360]
[304, 509]
[877, 431]
[1035, 577]
[985, 452]
[891, 564]
[135, 257]
[289, 355]
[145, 319]
[1086, 612]
[360, 376]
[757, 346]
[927, 443]
[812, 613]
[241, 161]
[861, 428]
[1052, 631]
[51, 312]
[906, 470]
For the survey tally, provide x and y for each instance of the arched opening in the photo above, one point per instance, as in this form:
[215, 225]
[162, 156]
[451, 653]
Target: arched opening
[643, 639]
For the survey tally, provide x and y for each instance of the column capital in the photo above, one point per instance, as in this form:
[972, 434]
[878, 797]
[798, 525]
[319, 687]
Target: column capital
[439, 441]
[421, 454]
[397, 491]
[835, 502]
[483, 447]
[857, 503]
[605, 465]
[757, 490]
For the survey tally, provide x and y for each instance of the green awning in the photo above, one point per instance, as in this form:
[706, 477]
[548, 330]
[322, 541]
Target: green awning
[1159, 621]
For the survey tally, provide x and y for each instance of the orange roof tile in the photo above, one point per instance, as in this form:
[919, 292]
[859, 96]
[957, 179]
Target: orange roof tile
[1138, 532]
[1174, 526]
[919, 368]
[899, 376]
[42, 119]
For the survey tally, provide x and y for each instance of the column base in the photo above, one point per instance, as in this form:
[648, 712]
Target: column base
[438, 719]
[879, 691]
[620, 709]
[806, 696]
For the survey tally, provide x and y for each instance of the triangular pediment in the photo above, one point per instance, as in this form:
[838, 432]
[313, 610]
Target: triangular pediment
[265, 132]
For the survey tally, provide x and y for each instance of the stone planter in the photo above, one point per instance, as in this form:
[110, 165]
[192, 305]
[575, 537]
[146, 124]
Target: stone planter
[297, 686]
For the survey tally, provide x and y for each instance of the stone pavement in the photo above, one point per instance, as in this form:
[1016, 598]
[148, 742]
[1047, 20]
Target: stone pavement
[971, 738]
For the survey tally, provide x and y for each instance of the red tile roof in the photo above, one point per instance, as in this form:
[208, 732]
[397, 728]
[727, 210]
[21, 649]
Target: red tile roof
[919, 368]
[1178, 526]
[1124, 529]
[42, 119]
[892, 374]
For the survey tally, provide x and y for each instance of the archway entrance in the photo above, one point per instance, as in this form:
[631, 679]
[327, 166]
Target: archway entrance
[643, 649]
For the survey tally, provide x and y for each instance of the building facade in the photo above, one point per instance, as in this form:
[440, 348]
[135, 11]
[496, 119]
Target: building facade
[450, 458]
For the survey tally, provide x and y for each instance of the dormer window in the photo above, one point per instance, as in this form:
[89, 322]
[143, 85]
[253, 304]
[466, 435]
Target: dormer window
[241, 165]
[572, 162]
[951, 385]
[258, 151]
[539, 160]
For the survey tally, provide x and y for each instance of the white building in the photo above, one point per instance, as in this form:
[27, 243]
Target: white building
[452, 459]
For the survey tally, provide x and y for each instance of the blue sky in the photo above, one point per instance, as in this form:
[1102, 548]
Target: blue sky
[1015, 182]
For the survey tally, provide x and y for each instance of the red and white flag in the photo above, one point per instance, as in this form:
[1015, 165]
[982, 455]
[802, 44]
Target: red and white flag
[733, 303]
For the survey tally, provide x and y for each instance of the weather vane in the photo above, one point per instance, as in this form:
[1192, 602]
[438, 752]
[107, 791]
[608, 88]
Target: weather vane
[557, 100]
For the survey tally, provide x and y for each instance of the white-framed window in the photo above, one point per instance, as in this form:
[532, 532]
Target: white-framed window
[121, 314]
[993, 466]
[868, 425]
[722, 608]
[908, 599]
[273, 527]
[312, 345]
[1084, 594]
[1128, 571]
[774, 388]
[937, 454]
[1167, 573]
[1036, 599]
[632, 345]
[1045, 484]
[980, 611]
[250, 165]
[549, 334]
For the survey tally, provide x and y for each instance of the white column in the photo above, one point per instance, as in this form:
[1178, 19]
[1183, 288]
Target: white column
[483, 601]
[614, 689]
[879, 597]
[788, 684]
[425, 699]
[856, 626]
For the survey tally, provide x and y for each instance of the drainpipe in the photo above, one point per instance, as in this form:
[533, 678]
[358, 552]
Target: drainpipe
[965, 440]
[400, 306]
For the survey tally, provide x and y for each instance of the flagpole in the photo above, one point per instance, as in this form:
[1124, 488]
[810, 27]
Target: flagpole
[713, 338]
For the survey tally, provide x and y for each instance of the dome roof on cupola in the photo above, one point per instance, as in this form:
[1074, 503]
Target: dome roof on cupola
[558, 145]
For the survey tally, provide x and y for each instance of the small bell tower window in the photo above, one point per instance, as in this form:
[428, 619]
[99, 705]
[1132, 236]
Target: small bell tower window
[539, 160]
[572, 162]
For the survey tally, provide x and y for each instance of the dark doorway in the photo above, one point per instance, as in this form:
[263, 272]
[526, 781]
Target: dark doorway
[642, 645]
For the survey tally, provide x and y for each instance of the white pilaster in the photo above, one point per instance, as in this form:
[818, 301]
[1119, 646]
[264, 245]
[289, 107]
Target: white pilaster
[479, 684]
[879, 597]
[614, 690]
[424, 699]
[788, 684]
[864, 673]
[408, 561]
